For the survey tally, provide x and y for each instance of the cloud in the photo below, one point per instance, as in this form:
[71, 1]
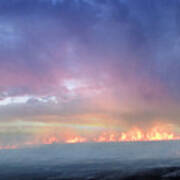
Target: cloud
[116, 59]
[26, 99]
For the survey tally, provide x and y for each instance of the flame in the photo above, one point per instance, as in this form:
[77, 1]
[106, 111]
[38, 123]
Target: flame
[157, 133]
[76, 139]
[136, 134]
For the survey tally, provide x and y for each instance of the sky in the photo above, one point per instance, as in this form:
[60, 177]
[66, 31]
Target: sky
[84, 67]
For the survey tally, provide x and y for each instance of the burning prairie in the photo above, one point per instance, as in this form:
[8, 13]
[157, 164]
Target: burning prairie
[156, 133]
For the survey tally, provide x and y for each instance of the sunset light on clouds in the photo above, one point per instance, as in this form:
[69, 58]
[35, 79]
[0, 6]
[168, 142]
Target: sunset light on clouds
[88, 71]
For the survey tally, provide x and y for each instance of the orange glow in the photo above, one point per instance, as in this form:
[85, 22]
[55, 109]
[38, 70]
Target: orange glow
[157, 133]
[76, 139]
[136, 134]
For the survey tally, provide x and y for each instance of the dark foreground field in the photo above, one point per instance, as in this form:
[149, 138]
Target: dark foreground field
[105, 161]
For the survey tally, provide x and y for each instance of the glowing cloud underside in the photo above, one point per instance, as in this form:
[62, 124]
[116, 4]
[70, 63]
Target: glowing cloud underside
[77, 71]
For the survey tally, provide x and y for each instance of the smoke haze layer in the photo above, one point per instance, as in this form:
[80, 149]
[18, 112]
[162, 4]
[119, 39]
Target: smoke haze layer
[84, 68]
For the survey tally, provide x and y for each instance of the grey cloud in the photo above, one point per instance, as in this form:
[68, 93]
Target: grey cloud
[125, 40]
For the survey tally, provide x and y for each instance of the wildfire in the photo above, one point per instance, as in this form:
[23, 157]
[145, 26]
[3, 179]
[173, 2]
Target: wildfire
[135, 134]
[76, 139]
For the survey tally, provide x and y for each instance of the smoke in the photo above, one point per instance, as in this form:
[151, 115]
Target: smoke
[111, 63]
